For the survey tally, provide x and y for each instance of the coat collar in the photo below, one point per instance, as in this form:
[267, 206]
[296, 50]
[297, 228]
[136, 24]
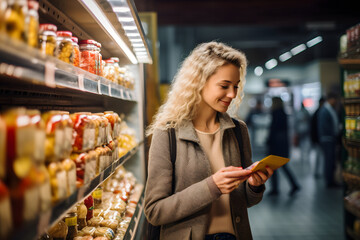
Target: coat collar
[187, 131]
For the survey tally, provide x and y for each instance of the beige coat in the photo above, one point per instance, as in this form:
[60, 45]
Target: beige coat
[184, 214]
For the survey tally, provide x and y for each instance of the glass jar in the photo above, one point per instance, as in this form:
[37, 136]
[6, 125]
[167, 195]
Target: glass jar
[54, 135]
[39, 135]
[5, 209]
[99, 59]
[71, 221]
[84, 132]
[32, 24]
[70, 169]
[14, 19]
[97, 196]
[81, 215]
[122, 71]
[101, 160]
[88, 55]
[109, 70]
[68, 126]
[64, 46]
[47, 39]
[85, 167]
[117, 69]
[76, 52]
[58, 181]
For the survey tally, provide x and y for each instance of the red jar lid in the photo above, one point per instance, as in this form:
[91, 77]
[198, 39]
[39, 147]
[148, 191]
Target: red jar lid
[75, 39]
[98, 45]
[89, 41]
[64, 34]
[33, 5]
[116, 59]
[47, 27]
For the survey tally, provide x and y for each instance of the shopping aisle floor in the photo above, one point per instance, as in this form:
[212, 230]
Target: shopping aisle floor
[314, 213]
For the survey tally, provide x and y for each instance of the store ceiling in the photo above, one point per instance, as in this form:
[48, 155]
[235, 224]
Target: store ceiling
[263, 29]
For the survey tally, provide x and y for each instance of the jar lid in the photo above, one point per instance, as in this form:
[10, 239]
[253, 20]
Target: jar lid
[98, 45]
[47, 27]
[64, 34]
[75, 39]
[33, 5]
[116, 59]
[89, 41]
[109, 61]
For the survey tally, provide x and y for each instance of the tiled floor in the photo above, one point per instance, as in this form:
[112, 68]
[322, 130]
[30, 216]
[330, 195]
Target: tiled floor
[314, 213]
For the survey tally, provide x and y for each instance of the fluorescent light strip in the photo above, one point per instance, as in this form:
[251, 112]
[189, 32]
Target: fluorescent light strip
[137, 44]
[132, 34]
[135, 39]
[285, 56]
[130, 28]
[271, 64]
[298, 49]
[126, 19]
[314, 41]
[121, 9]
[96, 11]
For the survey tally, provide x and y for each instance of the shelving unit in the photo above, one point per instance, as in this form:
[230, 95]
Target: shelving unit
[350, 64]
[33, 80]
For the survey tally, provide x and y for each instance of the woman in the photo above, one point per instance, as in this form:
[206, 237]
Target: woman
[278, 144]
[208, 200]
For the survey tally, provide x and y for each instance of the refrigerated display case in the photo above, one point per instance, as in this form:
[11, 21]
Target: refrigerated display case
[34, 80]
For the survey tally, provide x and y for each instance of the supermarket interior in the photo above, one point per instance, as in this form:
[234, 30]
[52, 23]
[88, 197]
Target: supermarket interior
[81, 82]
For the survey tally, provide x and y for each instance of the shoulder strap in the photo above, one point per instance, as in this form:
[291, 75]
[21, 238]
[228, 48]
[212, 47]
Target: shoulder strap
[238, 136]
[172, 144]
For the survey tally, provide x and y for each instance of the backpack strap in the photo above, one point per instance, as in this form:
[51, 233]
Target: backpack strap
[172, 144]
[238, 136]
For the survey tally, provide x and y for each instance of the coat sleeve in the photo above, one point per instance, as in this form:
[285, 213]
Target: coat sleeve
[252, 197]
[161, 205]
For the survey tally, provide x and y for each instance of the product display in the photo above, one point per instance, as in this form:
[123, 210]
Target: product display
[64, 46]
[47, 39]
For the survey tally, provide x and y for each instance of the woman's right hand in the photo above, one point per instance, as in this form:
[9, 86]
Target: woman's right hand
[229, 178]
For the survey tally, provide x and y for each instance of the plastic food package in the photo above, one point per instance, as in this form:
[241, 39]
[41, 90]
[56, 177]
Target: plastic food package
[87, 231]
[85, 167]
[70, 168]
[89, 203]
[47, 39]
[88, 55]
[59, 230]
[83, 238]
[54, 135]
[111, 214]
[58, 181]
[98, 212]
[110, 223]
[101, 159]
[109, 70]
[84, 132]
[81, 215]
[95, 221]
[120, 207]
[68, 134]
[104, 232]
[101, 238]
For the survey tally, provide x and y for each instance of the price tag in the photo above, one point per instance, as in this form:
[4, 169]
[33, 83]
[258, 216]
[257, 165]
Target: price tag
[99, 86]
[128, 95]
[49, 74]
[109, 90]
[81, 82]
[121, 93]
[44, 221]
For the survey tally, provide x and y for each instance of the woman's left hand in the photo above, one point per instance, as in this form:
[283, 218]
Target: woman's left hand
[258, 178]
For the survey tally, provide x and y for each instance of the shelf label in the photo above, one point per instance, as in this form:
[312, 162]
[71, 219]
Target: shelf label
[99, 86]
[121, 93]
[128, 95]
[81, 82]
[49, 74]
[109, 86]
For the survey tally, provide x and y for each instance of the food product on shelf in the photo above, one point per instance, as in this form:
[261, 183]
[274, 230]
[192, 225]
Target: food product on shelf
[117, 70]
[68, 134]
[5, 209]
[89, 203]
[58, 181]
[39, 137]
[2, 148]
[83, 238]
[59, 231]
[95, 221]
[71, 221]
[88, 55]
[84, 132]
[104, 232]
[81, 215]
[70, 169]
[14, 19]
[85, 166]
[87, 231]
[115, 122]
[64, 46]
[32, 24]
[99, 59]
[54, 135]
[109, 70]
[97, 196]
[76, 52]
[47, 39]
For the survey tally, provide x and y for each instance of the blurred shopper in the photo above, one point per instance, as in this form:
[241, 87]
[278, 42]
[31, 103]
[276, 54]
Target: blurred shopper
[253, 121]
[302, 132]
[257, 110]
[315, 139]
[207, 195]
[278, 144]
[328, 131]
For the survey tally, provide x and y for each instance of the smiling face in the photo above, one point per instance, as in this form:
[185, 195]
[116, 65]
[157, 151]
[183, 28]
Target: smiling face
[220, 88]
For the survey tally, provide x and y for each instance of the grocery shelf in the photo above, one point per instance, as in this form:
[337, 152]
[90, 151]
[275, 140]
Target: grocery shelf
[38, 226]
[351, 100]
[352, 142]
[134, 223]
[350, 63]
[28, 64]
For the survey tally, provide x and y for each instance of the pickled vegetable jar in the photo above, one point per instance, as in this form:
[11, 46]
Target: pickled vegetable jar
[32, 24]
[58, 181]
[14, 19]
[100, 65]
[117, 70]
[70, 169]
[109, 70]
[68, 134]
[64, 46]
[88, 56]
[54, 135]
[76, 52]
[47, 39]
[84, 132]
[85, 167]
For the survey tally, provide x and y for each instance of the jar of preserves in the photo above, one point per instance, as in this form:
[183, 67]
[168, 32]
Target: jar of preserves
[58, 181]
[14, 19]
[54, 135]
[64, 46]
[122, 71]
[39, 135]
[71, 221]
[97, 122]
[76, 52]
[101, 160]
[84, 132]
[99, 59]
[109, 70]
[68, 134]
[32, 24]
[47, 39]
[117, 69]
[88, 55]
[85, 167]
[70, 169]
[115, 122]
[97, 196]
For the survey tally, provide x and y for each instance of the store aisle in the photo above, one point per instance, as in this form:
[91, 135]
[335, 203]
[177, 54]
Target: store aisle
[314, 213]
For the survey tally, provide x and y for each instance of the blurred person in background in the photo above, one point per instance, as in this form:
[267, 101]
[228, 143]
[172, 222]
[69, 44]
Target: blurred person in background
[205, 195]
[328, 132]
[315, 139]
[302, 132]
[278, 144]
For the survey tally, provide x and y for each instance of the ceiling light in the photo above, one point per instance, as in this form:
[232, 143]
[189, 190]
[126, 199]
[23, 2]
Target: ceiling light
[98, 14]
[285, 56]
[130, 28]
[258, 71]
[126, 19]
[298, 49]
[133, 34]
[314, 41]
[271, 64]
[137, 44]
[135, 39]
[121, 9]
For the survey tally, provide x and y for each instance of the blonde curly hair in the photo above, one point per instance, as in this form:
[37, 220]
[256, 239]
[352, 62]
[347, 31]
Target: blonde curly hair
[185, 92]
